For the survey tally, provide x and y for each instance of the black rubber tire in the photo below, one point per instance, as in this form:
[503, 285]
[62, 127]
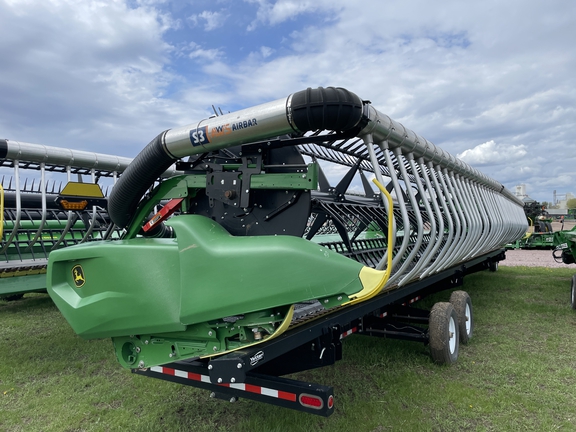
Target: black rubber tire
[443, 333]
[493, 266]
[462, 304]
[573, 292]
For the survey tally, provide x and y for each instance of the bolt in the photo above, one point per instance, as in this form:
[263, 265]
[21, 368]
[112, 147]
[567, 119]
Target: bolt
[232, 380]
[210, 333]
[233, 399]
[215, 349]
[210, 367]
[303, 175]
[239, 365]
[326, 301]
[170, 355]
[247, 190]
[212, 395]
[146, 342]
[219, 380]
[138, 349]
[141, 364]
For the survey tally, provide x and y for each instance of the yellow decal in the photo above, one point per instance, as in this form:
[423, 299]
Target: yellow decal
[78, 276]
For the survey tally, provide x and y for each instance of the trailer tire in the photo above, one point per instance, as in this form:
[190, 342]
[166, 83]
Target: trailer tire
[573, 293]
[443, 333]
[493, 266]
[462, 304]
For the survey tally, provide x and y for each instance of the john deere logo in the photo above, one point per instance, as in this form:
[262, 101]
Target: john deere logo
[78, 276]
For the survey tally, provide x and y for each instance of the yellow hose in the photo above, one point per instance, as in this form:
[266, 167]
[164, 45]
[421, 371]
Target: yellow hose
[374, 280]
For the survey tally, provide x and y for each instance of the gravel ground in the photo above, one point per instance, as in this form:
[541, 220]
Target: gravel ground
[532, 258]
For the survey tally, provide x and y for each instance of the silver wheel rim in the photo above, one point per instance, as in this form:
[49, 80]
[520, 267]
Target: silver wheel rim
[468, 317]
[452, 335]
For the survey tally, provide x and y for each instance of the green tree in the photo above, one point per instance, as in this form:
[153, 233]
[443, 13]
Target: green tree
[571, 203]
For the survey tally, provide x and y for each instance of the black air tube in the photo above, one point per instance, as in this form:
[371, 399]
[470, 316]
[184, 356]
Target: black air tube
[135, 181]
[331, 108]
[3, 148]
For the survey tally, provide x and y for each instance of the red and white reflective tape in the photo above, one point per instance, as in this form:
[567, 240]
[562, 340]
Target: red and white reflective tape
[264, 391]
[415, 299]
[383, 315]
[349, 332]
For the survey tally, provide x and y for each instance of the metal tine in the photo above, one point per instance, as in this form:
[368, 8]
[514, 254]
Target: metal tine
[418, 225]
[448, 239]
[16, 224]
[456, 253]
[459, 226]
[429, 245]
[377, 162]
[405, 221]
[41, 186]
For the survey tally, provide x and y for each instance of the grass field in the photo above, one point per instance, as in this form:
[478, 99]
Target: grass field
[517, 373]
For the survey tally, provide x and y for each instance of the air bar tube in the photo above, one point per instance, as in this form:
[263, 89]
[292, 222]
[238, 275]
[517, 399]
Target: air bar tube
[312, 109]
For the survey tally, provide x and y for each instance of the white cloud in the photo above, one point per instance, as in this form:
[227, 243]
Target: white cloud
[204, 54]
[266, 51]
[489, 153]
[273, 13]
[211, 20]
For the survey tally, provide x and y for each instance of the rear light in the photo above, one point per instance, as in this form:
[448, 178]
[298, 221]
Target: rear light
[311, 401]
[73, 205]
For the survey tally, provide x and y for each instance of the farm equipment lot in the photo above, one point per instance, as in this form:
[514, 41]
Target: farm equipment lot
[517, 373]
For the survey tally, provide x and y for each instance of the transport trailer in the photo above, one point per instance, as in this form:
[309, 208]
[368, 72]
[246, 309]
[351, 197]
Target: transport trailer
[253, 243]
[256, 373]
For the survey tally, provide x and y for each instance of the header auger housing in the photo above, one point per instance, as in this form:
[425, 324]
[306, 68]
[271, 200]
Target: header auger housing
[250, 237]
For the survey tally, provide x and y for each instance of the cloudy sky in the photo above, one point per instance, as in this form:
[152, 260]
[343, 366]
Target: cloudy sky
[493, 82]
